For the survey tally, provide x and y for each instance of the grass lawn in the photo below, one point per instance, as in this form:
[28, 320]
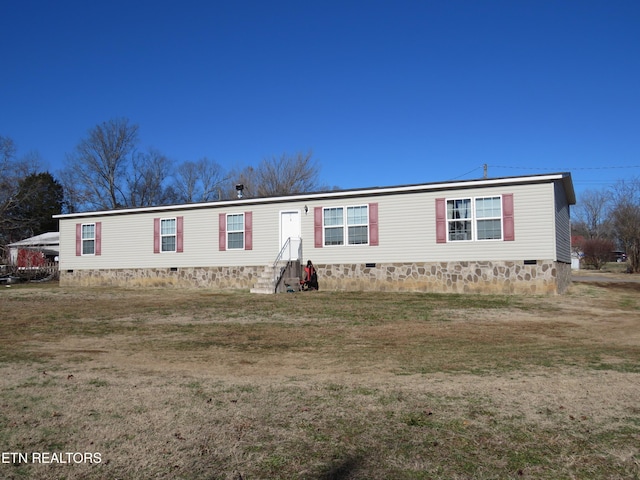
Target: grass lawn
[195, 384]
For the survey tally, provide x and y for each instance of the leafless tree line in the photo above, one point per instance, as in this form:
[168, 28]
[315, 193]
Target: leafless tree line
[610, 218]
[28, 196]
[107, 171]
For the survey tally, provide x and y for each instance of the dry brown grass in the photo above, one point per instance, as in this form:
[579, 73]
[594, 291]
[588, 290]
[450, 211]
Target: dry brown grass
[194, 384]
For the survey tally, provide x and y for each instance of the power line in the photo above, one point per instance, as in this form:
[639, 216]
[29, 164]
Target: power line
[465, 174]
[567, 168]
[546, 169]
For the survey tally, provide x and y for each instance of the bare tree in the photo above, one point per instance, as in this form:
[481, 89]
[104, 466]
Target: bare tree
[276, 176]
[592, 214]
[9, 180]
[8, 177]
[286, 175]
[200, 181]
[247, 177]
[147, 183]
[100, 164]
[75, 193]
[625, 218]
[27, 198]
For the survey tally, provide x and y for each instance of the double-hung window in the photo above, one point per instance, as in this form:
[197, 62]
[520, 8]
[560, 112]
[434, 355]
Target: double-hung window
[358, 225]
[334, 226]
[474, 219]
[89, 239]
[235, 231]
[168, 234]
[489, 218]
[356, 220]
[459, 219]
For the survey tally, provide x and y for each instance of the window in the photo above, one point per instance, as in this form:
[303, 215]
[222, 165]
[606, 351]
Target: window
[168, 234]
[89, 239]
[356, 220]
[235, 231]
[459, 219]
[485, 214]
[334, 226]
[358, 225]
[489, 218]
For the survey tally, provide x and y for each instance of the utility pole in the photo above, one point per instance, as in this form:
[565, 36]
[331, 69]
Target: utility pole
[486, 170]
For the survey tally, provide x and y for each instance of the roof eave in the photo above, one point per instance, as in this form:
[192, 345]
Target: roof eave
[565, 177]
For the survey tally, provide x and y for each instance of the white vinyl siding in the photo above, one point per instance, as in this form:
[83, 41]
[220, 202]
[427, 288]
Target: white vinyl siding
[406, 230]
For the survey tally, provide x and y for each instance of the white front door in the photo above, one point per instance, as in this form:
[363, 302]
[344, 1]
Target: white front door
[290, 227]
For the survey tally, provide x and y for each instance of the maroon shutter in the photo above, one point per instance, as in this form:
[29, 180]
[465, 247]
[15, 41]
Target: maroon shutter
[222, 232]
[373, 224]
[78, 239]
[156, 235]
[179, 234]
[317, 226]
[248, 230]
[441, 220]
[507, 217]
[98, 239]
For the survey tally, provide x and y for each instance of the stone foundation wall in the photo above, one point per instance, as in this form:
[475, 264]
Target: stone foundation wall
[201, 277]
[543, 277]
[564, 276]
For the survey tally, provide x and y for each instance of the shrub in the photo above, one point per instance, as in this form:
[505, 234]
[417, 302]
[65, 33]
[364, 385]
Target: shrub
[597, 252]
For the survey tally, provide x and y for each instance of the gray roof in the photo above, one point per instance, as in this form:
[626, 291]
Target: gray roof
[49, 239]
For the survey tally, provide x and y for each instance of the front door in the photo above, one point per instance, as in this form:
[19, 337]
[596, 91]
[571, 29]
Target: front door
[290, 227]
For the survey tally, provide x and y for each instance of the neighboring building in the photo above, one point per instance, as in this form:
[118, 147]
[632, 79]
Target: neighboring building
[500, 235]
[37, 251]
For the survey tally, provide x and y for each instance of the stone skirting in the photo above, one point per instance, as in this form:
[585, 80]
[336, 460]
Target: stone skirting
[542, 277]
[200, 277]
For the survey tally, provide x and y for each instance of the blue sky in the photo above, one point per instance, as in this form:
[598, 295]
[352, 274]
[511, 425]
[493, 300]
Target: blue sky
[383, 92]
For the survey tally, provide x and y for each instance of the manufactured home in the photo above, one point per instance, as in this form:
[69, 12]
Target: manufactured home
[498, 235]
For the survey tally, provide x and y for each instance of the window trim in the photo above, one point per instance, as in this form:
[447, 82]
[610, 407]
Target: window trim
[499, 217]
[88, 239]
[345, 225]
[228, 231]
[174, 235]
[365, 224]
[473, 219]
[449, 221]
[333, 227]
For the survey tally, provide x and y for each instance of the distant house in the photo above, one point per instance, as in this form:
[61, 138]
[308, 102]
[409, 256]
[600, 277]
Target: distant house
[500, 235]
[35, 251]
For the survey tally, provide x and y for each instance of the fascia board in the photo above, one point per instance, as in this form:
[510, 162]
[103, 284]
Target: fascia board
[372, 191]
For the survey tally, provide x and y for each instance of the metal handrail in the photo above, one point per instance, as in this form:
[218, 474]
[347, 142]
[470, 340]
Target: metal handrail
[278, 273]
